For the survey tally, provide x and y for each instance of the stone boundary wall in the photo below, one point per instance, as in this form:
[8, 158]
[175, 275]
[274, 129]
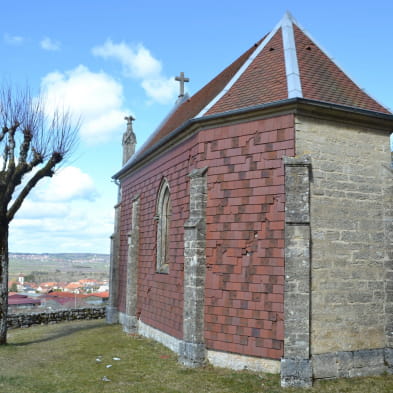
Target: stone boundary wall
[43, 318]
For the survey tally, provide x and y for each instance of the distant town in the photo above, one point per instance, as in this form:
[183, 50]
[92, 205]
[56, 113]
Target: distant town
[44, 282]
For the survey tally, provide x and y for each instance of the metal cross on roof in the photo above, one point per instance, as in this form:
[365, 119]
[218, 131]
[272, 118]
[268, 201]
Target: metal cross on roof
[182, 79]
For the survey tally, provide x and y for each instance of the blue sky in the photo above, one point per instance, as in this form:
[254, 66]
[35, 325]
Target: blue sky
[108, 59]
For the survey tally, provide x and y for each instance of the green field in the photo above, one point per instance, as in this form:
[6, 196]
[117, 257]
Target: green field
[90, 356]
[59, 267]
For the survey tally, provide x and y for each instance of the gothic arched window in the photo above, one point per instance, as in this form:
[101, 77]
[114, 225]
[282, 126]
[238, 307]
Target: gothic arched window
[163, 218]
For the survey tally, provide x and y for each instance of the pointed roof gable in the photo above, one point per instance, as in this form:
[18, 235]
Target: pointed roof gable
[285, 64]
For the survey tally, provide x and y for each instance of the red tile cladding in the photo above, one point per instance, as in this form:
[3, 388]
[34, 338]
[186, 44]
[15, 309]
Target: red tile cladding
[160, 296]
[245, 237]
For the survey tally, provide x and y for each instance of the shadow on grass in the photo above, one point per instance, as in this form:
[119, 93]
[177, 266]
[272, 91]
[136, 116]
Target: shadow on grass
[67, 329]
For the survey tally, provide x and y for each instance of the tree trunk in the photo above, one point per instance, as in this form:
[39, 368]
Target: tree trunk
[3, 281]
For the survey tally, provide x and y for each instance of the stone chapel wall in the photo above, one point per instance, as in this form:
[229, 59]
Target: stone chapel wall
[160, 295]
[245, 235]
[351, 196]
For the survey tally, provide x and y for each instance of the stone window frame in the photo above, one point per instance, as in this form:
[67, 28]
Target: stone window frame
[163, 221]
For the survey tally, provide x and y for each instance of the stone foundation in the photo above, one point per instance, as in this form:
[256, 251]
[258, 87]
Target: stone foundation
[234, 361]
[349, 364]
[216, 358]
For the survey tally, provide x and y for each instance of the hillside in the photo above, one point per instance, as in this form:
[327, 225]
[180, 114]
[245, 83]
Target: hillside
[59, 267]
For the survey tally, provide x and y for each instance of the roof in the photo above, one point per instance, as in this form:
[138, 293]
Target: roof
[103, 295]
[64, 295]
[48, 284]
[17, 300]
[16, 295]
[285, 64]
[74, 285]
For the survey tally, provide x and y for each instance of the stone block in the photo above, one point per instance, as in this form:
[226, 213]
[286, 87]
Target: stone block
[368, 358]
[297, 189]
[192, 354]
[112, 315]
[130, 324]
[296, 373]
[388, 355]
[325, 366]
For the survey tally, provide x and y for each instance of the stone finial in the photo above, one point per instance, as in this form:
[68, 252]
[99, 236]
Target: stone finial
[129, 140]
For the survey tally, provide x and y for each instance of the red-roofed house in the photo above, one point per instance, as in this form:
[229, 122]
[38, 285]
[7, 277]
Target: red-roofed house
[59, 300]
[74, 287]
[45, 287]
[18, 302]
[97, 298]
[253, 226]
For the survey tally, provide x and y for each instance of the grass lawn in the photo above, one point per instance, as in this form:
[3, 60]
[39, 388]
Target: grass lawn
[74, 357]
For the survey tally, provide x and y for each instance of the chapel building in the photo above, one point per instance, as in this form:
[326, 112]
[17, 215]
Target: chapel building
[254, 227]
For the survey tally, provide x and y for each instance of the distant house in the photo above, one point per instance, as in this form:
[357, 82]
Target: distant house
[17, 302]
[103, 287]
[59, 300]
[29, 287]
[97, 299]
[45, 287]
[50, 303]
[73, 287]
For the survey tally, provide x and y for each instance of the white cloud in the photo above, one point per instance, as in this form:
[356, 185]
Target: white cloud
[58, 233]
[50, 45]
[36, 210]
[139, 63]
[67, 184]
[160, 89]
[13, 39]
[59, 215]
[96, 97]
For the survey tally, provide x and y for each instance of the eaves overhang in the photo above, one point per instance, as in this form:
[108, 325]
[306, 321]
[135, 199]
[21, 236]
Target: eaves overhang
[297, 105]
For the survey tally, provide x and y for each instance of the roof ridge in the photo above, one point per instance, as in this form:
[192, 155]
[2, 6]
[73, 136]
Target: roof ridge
[290, 57]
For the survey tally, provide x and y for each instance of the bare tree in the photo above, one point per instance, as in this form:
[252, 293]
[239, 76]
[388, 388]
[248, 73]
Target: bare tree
[32, 145]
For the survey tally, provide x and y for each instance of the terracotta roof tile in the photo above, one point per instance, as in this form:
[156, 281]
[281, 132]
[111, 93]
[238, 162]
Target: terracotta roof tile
[264, 80]
[323, 80]
[64, 295]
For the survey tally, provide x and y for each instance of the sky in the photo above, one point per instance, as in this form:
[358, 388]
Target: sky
[105, 60]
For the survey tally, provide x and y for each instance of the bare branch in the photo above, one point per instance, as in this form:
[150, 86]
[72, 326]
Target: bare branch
[11, 146]
[3, 132]
[46, 171]
[25, 145]
[5, 158]
[30, 139]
